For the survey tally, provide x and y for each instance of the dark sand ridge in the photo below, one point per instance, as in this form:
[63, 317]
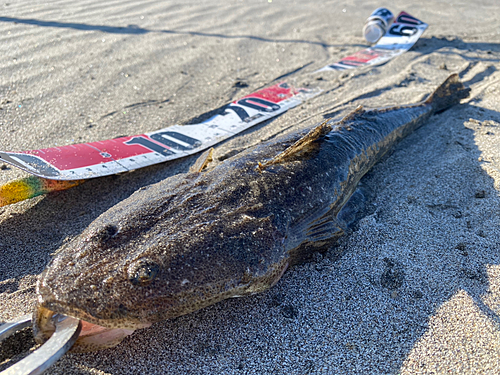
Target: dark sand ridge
[416, 289]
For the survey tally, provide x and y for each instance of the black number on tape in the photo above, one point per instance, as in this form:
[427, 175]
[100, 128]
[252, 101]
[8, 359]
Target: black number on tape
[402, 30]
[41, 166]
[262, 106]
[149, 145]
[242, 114]
[172, 139]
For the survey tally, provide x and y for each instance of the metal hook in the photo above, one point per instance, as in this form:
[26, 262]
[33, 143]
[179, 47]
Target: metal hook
[67, 331]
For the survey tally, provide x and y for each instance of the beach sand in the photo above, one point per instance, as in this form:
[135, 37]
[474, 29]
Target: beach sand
[413, 289]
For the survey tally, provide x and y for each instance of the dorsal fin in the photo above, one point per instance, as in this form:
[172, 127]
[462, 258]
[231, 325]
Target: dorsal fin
[352, 115]
[202, 161]
[301, 146]
[304, 144]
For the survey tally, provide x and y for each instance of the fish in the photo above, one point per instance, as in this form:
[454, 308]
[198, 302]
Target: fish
[218, 232]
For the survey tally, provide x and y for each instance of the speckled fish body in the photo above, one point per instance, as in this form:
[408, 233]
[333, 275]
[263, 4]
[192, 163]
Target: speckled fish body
[195, 239]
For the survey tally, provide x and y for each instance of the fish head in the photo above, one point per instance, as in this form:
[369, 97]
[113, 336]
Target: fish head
[158, 255]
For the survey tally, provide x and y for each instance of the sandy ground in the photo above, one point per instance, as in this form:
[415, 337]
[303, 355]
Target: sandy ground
[415, 288]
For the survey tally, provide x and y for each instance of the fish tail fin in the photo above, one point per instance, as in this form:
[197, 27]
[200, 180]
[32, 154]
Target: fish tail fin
[448, 94]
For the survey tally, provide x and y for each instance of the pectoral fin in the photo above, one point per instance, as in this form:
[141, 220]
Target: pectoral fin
[316, 227]
[354, 209]
[202, 162]
[311, 234]
[324, 229]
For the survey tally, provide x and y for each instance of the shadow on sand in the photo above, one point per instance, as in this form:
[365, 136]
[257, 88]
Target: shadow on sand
[136, 30]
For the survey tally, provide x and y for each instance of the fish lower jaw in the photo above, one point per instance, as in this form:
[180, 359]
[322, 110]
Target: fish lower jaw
[92, 337]
[111, 323]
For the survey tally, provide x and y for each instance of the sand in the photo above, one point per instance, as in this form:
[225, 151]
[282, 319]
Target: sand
[414, 288]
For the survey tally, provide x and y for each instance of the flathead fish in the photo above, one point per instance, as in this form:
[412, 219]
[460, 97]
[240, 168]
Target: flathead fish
[197, 238]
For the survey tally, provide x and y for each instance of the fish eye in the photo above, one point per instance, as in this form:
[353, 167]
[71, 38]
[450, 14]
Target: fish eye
[105, 233]
[142, 272]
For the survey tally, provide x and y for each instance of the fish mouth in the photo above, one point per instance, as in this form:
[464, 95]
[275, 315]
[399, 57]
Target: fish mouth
[92, 337]
[97, 333]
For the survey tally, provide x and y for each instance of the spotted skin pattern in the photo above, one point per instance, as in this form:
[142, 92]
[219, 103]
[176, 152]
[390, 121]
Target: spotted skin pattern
[195, 239]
